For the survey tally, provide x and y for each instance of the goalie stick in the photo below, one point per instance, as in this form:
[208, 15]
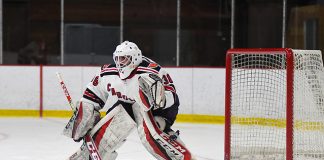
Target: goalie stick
[92, 148]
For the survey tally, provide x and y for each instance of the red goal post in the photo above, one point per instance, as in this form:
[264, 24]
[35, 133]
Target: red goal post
[274, 104]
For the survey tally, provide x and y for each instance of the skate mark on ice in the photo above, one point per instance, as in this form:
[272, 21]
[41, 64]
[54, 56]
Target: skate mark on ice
[3, 136]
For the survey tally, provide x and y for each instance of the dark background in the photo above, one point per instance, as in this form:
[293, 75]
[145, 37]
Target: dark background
[32, 29]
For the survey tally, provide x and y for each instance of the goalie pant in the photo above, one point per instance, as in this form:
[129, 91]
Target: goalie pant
[112, 130]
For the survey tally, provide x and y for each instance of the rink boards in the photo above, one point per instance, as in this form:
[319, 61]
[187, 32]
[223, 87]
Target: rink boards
[34, 91]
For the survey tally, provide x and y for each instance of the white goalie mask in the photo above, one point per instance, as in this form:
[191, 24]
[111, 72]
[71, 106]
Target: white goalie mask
[127, 57]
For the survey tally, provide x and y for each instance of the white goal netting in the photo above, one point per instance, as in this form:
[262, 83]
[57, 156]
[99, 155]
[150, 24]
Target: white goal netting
[258, 105]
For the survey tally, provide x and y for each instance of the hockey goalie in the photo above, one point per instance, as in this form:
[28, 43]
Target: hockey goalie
[139, 94]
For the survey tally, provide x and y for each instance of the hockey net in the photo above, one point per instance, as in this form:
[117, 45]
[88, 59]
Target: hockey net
[274, 104]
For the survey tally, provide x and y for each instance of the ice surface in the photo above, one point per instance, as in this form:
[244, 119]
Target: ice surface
[41, 139]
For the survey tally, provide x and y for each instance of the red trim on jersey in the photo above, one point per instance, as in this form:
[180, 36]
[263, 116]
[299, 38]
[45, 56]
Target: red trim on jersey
[102, 132]
[89, 95]
[109, 70]
[105, 66]
[144, 69]
[147, 70]
[153, 65]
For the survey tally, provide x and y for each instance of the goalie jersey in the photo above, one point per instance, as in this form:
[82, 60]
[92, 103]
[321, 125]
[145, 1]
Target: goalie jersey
[108, 89]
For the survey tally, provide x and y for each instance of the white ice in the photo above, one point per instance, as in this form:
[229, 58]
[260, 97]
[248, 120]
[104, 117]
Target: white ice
[41, 139]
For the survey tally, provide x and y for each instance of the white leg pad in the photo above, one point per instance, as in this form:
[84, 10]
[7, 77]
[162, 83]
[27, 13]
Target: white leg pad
[157, 142]
[108, 134]
[114, 130]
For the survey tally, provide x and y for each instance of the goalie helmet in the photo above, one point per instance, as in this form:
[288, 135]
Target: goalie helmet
[127, 57]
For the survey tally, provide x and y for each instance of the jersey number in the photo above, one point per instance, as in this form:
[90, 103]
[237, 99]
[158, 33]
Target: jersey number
[95, 81]
[167, 79]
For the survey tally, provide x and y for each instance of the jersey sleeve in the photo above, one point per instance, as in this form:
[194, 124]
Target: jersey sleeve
[95, 93]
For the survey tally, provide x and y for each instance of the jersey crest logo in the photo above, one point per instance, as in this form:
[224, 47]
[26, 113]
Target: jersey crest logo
[118, 94]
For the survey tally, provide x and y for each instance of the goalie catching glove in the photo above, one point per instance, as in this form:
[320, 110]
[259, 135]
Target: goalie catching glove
[151, 91]
[83, 119]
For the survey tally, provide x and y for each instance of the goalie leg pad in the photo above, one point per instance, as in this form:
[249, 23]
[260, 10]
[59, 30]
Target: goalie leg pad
[81, 121]
[82, 153]
[157, 142]
[110, 132]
